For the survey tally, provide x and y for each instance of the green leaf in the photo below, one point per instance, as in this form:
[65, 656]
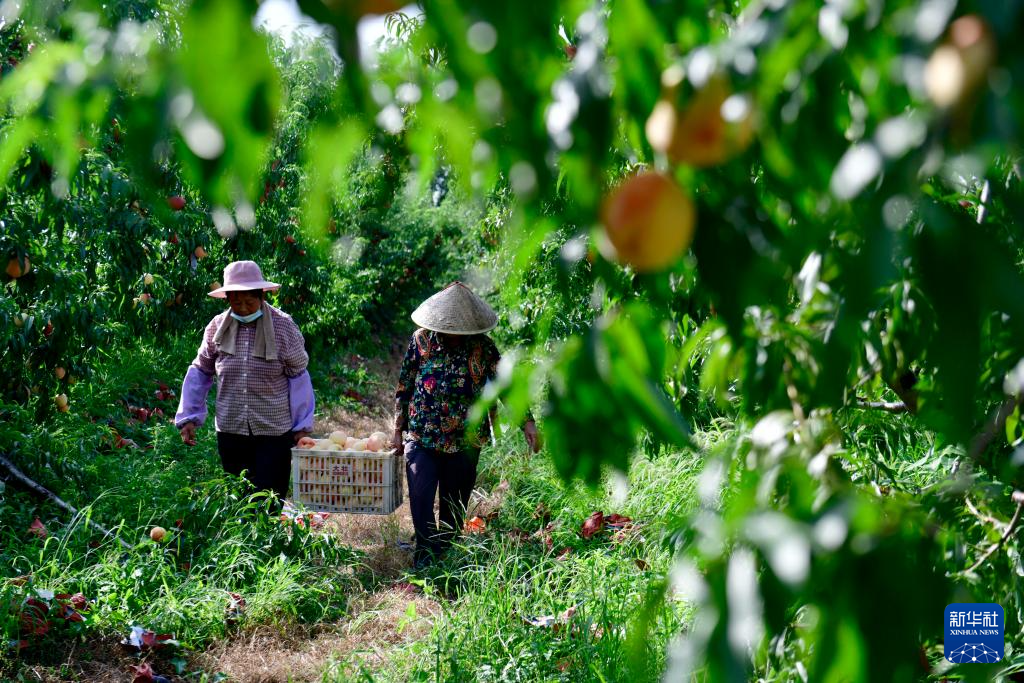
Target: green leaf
[226, 68]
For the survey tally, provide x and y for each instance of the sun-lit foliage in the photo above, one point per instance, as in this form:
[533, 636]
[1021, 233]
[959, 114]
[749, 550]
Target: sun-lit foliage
[834, 230]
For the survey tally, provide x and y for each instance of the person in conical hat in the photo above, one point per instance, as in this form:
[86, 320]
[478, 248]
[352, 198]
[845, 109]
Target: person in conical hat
[449, 360]
[265, 400]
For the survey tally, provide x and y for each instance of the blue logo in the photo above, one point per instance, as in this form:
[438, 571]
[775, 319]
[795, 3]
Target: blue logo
[974, 632]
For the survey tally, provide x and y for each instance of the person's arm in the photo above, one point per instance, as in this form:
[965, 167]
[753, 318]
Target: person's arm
[301, 399]
[191, 413]
[403, 392]
[303, 404]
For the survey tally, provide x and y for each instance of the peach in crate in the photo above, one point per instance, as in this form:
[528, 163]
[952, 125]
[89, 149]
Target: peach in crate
[327, 477]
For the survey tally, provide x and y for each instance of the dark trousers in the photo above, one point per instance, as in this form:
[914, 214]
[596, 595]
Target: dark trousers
[428, 471]
[267, 459]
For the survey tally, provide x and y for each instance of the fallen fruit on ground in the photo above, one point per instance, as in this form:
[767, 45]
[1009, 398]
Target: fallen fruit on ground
[593, 525]
[157, 533]
[37, 528]
[476, 525]
[199, 252]
[649, 222]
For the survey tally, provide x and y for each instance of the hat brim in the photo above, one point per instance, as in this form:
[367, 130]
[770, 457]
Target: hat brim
[427, 325]
[222, 292]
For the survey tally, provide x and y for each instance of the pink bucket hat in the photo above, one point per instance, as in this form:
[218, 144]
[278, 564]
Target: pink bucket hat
[240, 276]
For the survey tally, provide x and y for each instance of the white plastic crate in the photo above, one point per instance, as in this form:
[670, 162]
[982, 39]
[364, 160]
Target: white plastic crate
[361, 482]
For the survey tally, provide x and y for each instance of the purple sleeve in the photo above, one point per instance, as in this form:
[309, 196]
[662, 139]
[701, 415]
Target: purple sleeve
[192, 405]
[300, 397]
[293, 350]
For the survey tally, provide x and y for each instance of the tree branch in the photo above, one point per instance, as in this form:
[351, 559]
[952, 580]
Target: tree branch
[43, 492]
[903, 387]
[887, 406]
[1019, 498]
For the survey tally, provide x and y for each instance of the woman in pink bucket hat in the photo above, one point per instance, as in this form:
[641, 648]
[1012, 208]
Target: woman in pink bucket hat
[264, 395]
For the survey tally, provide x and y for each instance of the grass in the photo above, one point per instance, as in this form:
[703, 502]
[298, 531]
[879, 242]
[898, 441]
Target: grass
[468, 622]
[492, 585]
[220, 540]
[529, 599]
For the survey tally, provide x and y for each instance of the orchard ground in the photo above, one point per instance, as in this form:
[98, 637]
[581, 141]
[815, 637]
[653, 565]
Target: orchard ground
[530, 594]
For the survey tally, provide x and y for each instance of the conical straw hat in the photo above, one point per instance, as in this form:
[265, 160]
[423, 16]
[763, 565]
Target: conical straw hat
[455, 310]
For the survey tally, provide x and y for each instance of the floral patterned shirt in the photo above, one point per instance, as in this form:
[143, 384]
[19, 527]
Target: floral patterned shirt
[441, 377]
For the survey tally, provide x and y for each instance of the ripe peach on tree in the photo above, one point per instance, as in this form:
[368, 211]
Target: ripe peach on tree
[708, 129]
[18, 266]
[960, 65]
[649, 222]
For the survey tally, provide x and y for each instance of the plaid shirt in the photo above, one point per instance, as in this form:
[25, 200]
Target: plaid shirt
[439, 381]
[253, 394]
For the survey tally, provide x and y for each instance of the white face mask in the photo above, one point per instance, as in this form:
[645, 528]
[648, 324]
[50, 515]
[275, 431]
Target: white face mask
[247, 318]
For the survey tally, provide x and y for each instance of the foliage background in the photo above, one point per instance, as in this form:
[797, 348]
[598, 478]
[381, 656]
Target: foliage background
[863, 248]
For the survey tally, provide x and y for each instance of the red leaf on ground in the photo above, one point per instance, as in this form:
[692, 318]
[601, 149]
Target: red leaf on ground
[406, 587]
[164, 640]
[69, 613]
[79, 601]
[33, 617]
[36, 528]
[143, 673]
[476, 526]
[564, 554]
[563, 665]
[593, 525]
[616, 520]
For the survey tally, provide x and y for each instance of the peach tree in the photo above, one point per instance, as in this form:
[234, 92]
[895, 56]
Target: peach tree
[849, 174]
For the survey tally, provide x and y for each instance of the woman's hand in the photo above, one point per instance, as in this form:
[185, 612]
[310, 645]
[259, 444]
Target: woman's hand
[532, 436]
[188, 433]
[299, 436]
[396, 441]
